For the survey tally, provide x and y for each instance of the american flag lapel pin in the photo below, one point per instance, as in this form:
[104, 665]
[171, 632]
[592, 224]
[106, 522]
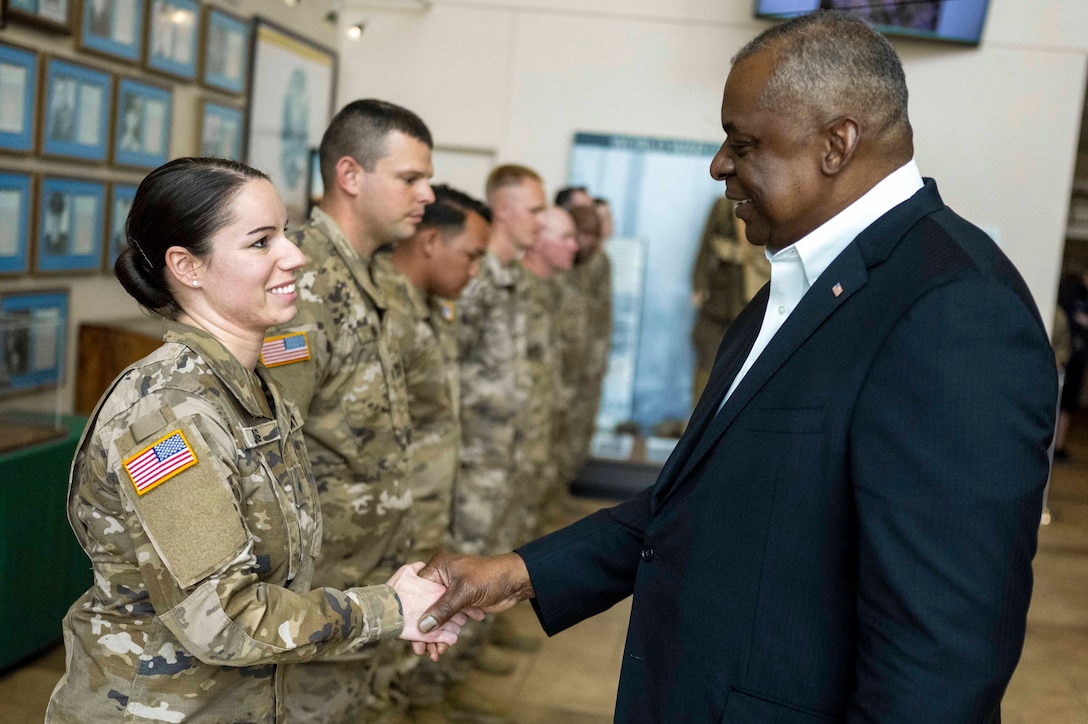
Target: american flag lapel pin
[837, 289]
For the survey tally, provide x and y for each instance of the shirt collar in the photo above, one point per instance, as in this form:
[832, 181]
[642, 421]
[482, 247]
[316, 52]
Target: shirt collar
[822, 245]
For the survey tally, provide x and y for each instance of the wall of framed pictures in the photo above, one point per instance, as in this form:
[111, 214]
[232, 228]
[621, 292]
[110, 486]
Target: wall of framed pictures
[94, 94]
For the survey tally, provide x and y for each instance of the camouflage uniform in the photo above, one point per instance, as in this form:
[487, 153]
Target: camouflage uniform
[594, 278]
[536, 465]
[202, 582]
[494, 380]
[351, 389]
[572, 333]
[425, 329]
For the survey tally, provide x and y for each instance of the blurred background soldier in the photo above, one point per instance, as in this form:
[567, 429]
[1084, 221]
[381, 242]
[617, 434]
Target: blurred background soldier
[728, 272]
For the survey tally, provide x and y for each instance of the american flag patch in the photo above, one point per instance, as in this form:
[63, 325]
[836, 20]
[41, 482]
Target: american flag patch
[285, 349]
[156, 464]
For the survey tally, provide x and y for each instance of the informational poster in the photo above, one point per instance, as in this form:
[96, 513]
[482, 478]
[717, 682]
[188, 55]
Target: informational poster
[660, 191]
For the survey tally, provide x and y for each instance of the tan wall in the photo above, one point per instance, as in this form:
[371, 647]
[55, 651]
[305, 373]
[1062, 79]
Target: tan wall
[98, 296]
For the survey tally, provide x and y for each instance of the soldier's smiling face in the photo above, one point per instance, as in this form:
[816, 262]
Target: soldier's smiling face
[247, 281]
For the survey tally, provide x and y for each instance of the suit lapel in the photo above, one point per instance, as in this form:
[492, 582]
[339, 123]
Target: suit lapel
[849, 272]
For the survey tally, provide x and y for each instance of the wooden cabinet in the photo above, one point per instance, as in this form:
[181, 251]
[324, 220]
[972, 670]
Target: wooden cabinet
[105, 349]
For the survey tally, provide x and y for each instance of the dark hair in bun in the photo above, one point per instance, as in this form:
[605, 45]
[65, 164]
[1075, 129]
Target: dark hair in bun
[181, 203]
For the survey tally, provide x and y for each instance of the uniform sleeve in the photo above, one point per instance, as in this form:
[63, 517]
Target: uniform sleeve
[949, 462]
[300, 376]
[196, 556]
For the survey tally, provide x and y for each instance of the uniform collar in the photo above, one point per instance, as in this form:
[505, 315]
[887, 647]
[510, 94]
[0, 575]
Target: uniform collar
[359, 265]
[242, 383]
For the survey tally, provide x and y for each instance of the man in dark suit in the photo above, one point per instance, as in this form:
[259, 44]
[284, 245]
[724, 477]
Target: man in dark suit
[845, 532]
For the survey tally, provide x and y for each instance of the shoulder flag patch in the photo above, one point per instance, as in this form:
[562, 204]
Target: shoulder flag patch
[285, 349]
[159, 462]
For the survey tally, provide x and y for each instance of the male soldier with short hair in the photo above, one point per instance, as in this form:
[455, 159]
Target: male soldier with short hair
[347, 378]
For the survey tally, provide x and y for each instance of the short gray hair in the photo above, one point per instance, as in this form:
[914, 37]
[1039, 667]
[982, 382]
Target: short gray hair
[832, 63]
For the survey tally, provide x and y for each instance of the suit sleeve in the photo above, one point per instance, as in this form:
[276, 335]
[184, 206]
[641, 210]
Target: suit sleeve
[589, 566]
[949, 460]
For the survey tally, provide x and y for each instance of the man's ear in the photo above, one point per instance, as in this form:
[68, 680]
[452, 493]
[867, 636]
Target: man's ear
[428, 241]
[349, 175]
[842, 136]
[182, 265]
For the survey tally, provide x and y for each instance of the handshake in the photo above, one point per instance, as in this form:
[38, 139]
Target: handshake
[438, 598]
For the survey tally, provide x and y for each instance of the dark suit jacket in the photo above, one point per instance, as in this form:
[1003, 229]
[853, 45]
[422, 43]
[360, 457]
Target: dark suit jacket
[851, 537]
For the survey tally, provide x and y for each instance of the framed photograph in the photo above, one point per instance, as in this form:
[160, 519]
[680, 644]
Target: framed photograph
[76, 111]
[54, 15]
[18, 98]
[113, 27]
[141, 135]
[121, 196]
[221, 131]
[16, 201]
[224, 64]
[71, 224]
[172, 33]
[290, 102]
[33, 334]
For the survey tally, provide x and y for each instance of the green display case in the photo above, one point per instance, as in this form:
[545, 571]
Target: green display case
[42, 566]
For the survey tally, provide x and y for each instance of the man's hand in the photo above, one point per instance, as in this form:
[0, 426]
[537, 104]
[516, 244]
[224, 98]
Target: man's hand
[417, 593]
[490, 584]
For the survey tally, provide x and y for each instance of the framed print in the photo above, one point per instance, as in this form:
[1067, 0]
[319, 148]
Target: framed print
[33, 334]
[71, 215]
[18, 98]
[76, 112]
[221, 131]
[290, 102]
[113, 27]
[141, 136]
[121, 196]
[16, 202]
[172, 35]
[224, 63]
[55, 15]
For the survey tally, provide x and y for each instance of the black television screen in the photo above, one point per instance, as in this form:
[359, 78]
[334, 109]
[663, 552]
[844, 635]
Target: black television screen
[959, 21]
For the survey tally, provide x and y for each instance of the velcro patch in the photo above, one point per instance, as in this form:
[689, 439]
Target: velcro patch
[160, 461]
[285, 349]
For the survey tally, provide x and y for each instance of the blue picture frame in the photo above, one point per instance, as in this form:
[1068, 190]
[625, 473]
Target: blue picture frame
[18, 98]
[113, 27]
[76, 111]
[71, 225]
[173, 34]
[33, 340]
[141, 134]
[221, 129]
[52, 15]
[224, 63]
[121, 196]
[16, 201]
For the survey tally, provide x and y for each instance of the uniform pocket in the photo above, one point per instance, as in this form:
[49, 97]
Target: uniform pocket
[744, 708]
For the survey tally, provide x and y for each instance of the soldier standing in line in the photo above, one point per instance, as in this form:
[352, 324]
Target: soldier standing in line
[538, 474]
[421, 278]
[494, 377]
[592, 275]
[341, 365]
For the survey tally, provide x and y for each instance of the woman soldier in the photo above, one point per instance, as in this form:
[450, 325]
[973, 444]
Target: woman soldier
[191, 490]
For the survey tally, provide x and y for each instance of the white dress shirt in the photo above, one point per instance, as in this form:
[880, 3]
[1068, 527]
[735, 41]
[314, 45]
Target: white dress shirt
[795, 268]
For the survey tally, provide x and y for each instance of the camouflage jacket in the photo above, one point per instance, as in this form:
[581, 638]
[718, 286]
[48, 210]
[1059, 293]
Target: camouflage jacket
[426, 334]
[537, 464]
[192, 495]
[494, 393]
[347, 379]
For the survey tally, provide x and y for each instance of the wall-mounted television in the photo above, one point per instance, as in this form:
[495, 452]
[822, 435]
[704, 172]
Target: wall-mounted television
[958, 21]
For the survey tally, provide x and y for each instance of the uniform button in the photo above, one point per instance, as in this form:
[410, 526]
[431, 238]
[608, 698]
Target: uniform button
[647, 554]
[782, 309]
